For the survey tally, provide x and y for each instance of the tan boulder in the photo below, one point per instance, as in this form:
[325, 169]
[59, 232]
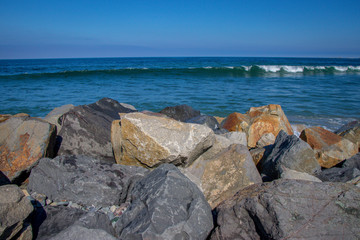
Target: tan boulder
[23, 141]
[266, 119]
[236, 122]
[330, 149]
[257, 154]
[53, 116]
[222, 175]
[144, 140]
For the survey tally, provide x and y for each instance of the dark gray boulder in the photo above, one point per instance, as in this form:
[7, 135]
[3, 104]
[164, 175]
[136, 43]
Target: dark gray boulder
[290, 152]
[83, 180]
[15, 211]
[60, 220]
[291, 209]
[342, 172]
[180, 112]
[86, 129]
[206, 120]
[165, 205]
[77, 232]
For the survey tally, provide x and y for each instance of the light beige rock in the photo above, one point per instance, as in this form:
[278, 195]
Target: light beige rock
[144, 140]
[265, 140]
[257, 154]
[56, 113]
[221, 176]
[236, 137]
[292, 174]
[23, 141]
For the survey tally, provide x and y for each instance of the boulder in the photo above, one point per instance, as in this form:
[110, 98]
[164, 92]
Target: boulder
[180, 112]
[86, 130]
[15, 211]
[59, 223]
[290, 209]
[149, 141]
[345, 171]
[351, 131]
[23, 141]
[330, 148]
[265, 140]
[291, 152]
[266, 119]
[165, 205]
[236, 137]
[236, 122]
[56, 113]
[292, 174]
[224, 174]
[206, 120]
[257, 122]
[83, 180]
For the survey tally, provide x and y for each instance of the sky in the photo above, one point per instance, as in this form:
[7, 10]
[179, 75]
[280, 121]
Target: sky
[269, 28]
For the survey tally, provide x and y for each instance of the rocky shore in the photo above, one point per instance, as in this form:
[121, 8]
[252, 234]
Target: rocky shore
[107, 171]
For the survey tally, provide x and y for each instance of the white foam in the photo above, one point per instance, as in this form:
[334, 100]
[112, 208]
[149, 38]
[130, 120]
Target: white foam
[294, 69]
[341, 68]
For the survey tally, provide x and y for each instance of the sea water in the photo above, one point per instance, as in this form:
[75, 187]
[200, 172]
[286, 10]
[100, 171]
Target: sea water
[314, 91]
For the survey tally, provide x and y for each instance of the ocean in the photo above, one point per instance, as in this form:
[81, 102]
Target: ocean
[313, 91]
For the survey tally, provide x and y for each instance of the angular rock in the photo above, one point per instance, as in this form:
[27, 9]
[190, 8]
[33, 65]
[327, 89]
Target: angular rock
[257, 122]
[236, 137]
[265, 140]
[292, 174]
[86, 130]
[206, 120]
[60, 223]
[236, 122]
[343, 172]
[15, 210]
[83, 180]
[351, 131]
[165, 205]
[291, 152]
[219, 119]
[290, 209]
[298, 128]
[56, 113]
[257, 154]
[23, 141]
[266, 119]
[330, 148]
[224, 174]
[148, 141]
[180, 112]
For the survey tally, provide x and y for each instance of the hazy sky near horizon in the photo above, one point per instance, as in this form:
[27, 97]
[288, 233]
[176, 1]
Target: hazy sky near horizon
[77, 28]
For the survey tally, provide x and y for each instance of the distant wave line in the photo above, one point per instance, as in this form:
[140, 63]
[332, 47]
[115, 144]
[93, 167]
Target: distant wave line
[252, 70]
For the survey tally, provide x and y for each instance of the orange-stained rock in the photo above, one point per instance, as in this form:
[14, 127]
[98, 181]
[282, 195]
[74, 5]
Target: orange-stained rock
[351, 131]
[219, 119]
[236, 122]
[330, 148]
[266, 119]
[23, 141]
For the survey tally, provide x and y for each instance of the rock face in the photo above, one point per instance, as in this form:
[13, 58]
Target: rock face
[180, 112]
[351, 131]
[165, 205]
[71, 223]
[291, 152]
[291, 209]
[148, 141]
[292, 174]
[15, 210]
[343, 172]
[236, 137]
[330, 148]
[86, 130]
[56, 113]
[83, 180]
[257, 122]
[225, 174]
[23, 141]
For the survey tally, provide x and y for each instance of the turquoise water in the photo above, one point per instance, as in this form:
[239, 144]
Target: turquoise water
[313, 91]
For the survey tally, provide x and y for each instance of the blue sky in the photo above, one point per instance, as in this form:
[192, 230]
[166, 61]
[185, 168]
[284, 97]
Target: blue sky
[77, 28]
